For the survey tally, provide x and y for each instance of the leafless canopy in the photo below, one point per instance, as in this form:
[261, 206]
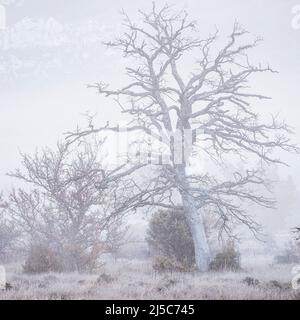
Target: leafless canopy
[214, 101]
[70, 201]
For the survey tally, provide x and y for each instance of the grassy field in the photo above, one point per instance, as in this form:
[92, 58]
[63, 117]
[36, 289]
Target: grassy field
[135, 279]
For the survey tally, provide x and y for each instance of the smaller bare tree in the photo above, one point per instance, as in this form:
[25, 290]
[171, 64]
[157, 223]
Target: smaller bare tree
[71, 204]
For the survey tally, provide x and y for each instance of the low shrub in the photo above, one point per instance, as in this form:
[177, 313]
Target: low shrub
[227, 260]
[41, 259]
[105, 278]
[251, 281]
[166, 264]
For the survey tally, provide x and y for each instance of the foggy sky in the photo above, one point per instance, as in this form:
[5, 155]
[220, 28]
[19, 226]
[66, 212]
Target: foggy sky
[43, 87]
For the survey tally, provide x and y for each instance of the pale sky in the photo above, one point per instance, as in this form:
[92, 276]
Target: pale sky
[46, 63]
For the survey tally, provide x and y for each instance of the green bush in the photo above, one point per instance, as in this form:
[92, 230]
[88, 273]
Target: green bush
[169, 235]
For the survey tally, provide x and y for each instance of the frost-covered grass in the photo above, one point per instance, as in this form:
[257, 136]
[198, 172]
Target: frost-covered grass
[135, 279]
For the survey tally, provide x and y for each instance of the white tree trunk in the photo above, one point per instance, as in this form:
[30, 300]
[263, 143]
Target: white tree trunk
[195, 222]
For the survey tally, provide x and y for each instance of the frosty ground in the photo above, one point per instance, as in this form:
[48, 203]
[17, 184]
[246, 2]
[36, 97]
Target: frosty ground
[135, 279]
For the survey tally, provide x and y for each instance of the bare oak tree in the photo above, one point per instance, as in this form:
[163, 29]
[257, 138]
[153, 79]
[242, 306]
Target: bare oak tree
[71, 203]
[213, 102]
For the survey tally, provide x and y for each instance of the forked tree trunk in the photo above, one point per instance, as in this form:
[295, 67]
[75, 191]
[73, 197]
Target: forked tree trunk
[196, 223]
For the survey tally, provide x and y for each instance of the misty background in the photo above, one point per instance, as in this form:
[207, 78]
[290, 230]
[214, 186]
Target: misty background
[50, 50]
